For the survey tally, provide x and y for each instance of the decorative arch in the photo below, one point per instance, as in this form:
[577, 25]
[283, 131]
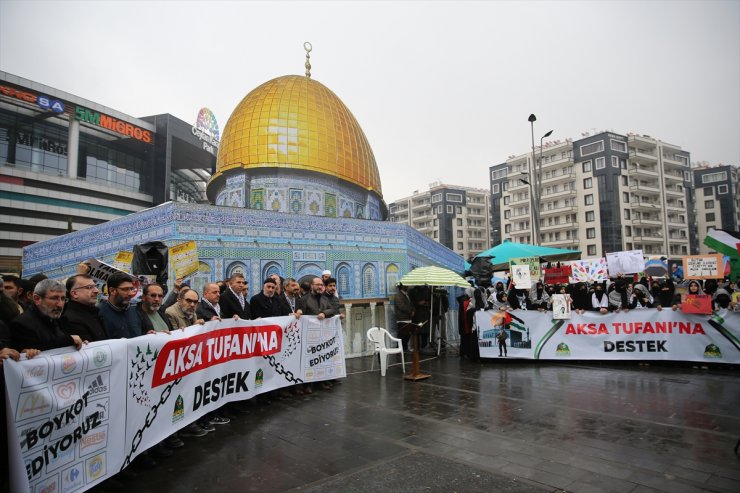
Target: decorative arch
[271, 268]
[391, 279]
[237, 267]
[309, 269]
[369, 281]
[344, 280]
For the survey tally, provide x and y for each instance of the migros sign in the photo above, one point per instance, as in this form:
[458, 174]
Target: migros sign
[110, 123]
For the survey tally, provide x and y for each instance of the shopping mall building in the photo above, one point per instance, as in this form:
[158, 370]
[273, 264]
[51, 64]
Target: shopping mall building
[67, 163]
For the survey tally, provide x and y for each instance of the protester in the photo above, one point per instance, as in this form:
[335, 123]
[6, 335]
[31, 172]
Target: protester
[404, 310]
[265, 303]
[208, 308]
[81, 314]
[150, 311]
[182, 313]
[119, 319]
[233, 300]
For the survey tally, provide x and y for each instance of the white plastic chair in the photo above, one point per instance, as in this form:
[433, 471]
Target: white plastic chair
[377, 336]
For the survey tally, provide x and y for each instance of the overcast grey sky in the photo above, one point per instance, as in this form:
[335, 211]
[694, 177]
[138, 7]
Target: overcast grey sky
[442, 89]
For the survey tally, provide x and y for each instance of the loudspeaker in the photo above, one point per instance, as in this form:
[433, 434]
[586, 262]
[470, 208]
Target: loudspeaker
[151, 259]
[482, 270]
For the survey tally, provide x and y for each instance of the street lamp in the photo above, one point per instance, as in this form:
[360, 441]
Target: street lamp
[532, 179]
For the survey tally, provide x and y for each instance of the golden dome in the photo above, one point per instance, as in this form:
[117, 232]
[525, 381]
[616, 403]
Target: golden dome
[298, 123]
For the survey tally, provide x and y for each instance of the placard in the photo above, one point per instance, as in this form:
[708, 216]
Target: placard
[123, 261]
[696, 303]
[703, 267]
[627, 262]
[589, 270]
[184, 258]
[558, 275]
[520, 276]
[561, 307]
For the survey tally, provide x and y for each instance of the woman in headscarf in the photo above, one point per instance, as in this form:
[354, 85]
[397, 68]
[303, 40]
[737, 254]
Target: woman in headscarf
[599, 300]
[618, 296]
[666, 296]
[641, 297]
[580, 297]
[538, 298]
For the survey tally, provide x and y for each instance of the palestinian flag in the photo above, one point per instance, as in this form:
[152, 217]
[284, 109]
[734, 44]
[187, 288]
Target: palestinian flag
[724, 242]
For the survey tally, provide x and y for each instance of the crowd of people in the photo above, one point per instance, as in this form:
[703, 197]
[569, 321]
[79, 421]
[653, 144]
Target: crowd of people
[619, 294]
[40, 314]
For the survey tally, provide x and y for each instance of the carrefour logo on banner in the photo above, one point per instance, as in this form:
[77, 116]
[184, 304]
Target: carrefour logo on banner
[72, 478]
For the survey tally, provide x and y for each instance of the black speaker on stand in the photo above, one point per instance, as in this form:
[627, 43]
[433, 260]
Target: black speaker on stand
[151, 259]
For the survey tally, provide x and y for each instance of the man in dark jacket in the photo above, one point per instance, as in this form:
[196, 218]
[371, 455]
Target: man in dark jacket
[234, 300]
[315, 303]
[38, 327]
[119, 319]
[265, 303]
[208, 308]
[150, 310]
[404, 310]
[81, 316]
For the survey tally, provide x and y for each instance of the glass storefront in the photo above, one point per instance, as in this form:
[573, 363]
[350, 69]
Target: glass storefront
[37, 145]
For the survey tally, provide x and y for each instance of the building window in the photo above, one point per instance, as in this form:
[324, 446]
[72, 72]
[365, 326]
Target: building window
[507, 199]
[368, 280]
[437, 197]
[435, 222]
[454, 197]
[436, 234]
[460, 245]
[722, 189]
[507, 214]
[590, 233]
[587, 166]
[459, 233]
[343, 281]
[458, 209]
[709, 204]
[627, 214]
[687, 176]
[450, 209]
[593, 148]
[507, 228]
[626, 197]
[591, 250]
[588, 183]
[626, 181]
[495, 188]
[600, 162]
[459, 221]
[628, 231]
[615, 162]
[590, 216]
[708, 191]
[589, 199]
[714, 177]
[618, 145]
[710, 217]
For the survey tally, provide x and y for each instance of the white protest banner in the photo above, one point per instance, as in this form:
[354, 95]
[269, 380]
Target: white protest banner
[588, 270]
[703, 267]
[642, 334]
[520, 276]
[82, 416]
[561, 306]
[627, 262]
[184, 258]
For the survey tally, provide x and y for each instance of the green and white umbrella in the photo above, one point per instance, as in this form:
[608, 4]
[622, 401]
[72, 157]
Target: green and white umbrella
[433, 276]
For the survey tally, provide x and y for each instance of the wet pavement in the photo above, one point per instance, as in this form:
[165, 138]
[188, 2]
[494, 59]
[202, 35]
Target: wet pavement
[500, 426]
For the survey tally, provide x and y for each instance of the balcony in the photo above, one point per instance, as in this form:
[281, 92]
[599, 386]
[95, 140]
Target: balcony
[674, 177]
[641, 156]
[644, 205]
[558, 210]
[560, 177]
[514, 200]
[558, 162]
[649, 237]
[674, 220]
[569, 243]
[566, 192]
[678, 239]
[670, 163]
[675, 206]
[558, 227]
[675, 193]
[645, 171]
[645, 187]
[647, 222]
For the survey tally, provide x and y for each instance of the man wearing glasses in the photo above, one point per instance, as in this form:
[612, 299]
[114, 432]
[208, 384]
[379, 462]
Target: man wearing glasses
[38, 327]
[182, 313]
[81, 315]
[150, 310]
[119, 319]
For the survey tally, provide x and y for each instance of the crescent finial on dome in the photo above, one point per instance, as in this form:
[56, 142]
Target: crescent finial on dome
[307, 46]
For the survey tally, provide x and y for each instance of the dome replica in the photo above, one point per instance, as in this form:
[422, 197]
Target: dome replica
[291, 145]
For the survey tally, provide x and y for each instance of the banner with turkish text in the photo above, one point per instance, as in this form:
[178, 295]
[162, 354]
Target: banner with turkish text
[641, 334]
[82, 416]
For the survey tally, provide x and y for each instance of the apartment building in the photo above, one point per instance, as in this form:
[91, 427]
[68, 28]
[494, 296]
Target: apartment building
[717, 200]
[598, 194]
[455, 216]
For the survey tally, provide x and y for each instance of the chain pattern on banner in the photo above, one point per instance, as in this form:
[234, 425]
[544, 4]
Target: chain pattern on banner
[280, 369]
[150, 417]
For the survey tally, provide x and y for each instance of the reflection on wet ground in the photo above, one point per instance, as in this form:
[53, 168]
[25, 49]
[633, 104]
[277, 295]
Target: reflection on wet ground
[504, 425]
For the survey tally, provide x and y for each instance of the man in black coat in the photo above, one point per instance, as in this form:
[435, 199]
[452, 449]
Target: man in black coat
[80, 315]
[265, 303]
[234, 300]
[315, 303]
[208, 307]
[151, 311]
[38, 327]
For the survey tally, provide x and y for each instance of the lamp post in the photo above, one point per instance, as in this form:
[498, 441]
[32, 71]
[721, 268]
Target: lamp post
[533, 180]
